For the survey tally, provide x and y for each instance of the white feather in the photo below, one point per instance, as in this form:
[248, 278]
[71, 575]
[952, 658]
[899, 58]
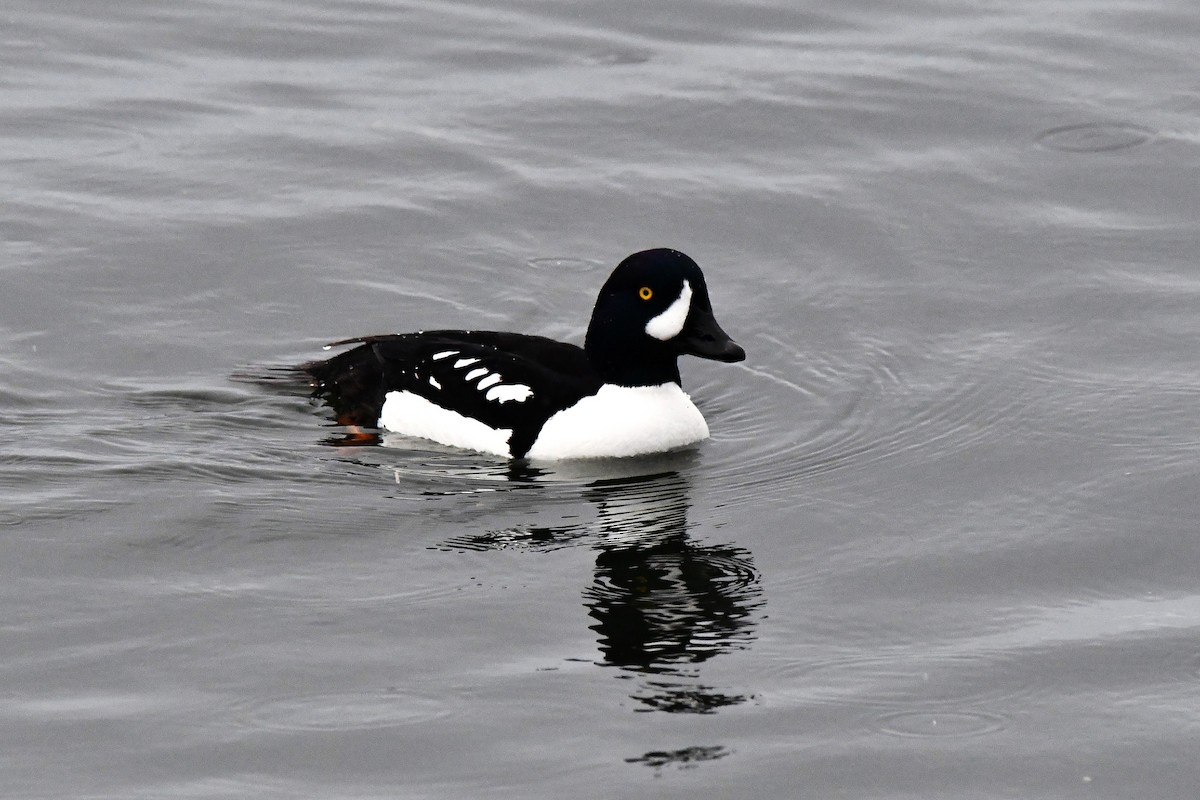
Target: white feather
[411, 414]
[509, 391]
[621, 421]
[669, 323]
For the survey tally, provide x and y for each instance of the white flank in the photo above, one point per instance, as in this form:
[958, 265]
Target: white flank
[621, 421]
[433, 382]
[490, 380]
[669, 323]
[465, 362]
[475, 373]
[444, 354]
[413, 415]
[509, 391]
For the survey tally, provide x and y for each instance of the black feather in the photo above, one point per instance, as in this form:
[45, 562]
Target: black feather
[356, 383]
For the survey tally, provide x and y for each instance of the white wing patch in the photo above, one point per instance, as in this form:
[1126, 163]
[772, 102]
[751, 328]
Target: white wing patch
[490, 380]
[509, 391]
[669, 323]
[491, 383]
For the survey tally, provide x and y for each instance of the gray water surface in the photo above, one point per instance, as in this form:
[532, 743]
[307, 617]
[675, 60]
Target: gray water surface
[942, 544]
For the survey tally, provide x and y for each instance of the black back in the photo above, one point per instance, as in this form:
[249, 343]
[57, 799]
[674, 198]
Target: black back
[355, 383]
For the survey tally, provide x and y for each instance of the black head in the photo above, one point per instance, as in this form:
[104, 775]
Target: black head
[651, 310]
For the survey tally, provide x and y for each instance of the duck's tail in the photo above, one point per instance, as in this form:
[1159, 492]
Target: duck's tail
[351, 383]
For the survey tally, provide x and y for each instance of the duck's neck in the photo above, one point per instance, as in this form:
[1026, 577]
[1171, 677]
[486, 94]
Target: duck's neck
[641, 362]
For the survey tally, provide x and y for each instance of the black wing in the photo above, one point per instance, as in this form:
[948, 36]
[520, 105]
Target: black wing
[505, 380]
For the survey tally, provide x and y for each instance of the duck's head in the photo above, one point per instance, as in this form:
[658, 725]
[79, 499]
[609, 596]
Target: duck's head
[651, 310]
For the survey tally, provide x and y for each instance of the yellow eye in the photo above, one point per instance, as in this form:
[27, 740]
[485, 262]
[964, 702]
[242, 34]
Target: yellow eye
[645, 293]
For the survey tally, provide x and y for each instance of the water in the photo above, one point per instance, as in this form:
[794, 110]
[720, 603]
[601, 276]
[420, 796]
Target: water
[942, 543]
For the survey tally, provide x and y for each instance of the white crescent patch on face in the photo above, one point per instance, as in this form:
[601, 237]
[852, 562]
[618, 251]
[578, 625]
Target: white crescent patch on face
[669, 323]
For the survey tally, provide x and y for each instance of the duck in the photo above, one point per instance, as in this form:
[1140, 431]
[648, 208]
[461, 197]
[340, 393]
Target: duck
[522, 396]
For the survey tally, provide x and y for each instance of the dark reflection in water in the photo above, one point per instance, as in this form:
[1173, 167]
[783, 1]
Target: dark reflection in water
[685, 758]
[662, 602]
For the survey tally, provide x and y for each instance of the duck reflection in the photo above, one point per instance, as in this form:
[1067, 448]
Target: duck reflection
[663, 602]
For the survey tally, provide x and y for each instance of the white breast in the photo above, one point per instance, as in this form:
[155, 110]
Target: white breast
[622, 421]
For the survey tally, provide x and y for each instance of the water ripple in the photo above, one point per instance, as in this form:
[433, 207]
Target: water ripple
[1095, 137]
[940, 724]
[849, 412]
[343, 711]
[944, 682]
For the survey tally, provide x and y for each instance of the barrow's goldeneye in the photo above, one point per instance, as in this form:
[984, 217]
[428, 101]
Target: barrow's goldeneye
[521, 396]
